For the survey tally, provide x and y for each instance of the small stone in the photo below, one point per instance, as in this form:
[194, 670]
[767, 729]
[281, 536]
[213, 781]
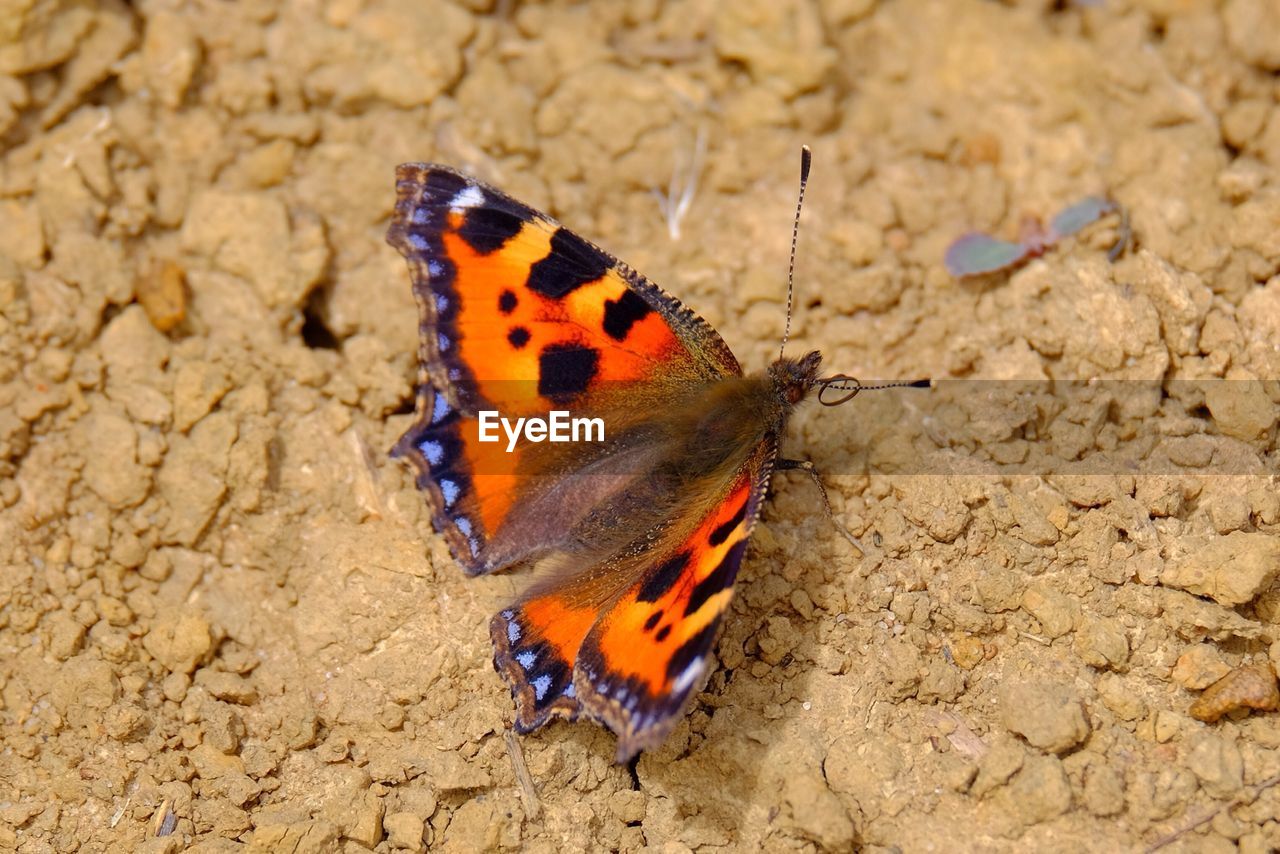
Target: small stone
[1229, 513]
[968, 652]
[853, 765]
[1049, 716]
[627, 805]
[777, 640]
[1123, 701]
[197, 387]
[1232, 570]
[227, 686]
[1199, 666]
[84, 682]
[1167, 725]
[1086, 490]
[1264, 505]
[179, 640]
[781, 45]
[223, 728]
[1253, 29]
[1103, 790]
[175, 686]
[162, 292]
[1252, 686]
[935, 505]
[249, 235]
[22, 239]
[211, 763]
[364, 825]
[1241, 409]
[1054, 611]
[170, 55]
[817, 813]
[1217, 763]
[404, 831]
[1005, 757]
[1103, 644]
[66, 635]
[238, 788]
[305, 837]
[1033, 526]
[114, 611]
[112, 469]
[1040, 791]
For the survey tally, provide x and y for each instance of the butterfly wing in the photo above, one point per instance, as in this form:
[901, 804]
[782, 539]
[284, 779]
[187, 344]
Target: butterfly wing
[635, 661]
[521, 316]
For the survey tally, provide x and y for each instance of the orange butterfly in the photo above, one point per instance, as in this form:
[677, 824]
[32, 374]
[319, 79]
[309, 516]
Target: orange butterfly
[639, 536]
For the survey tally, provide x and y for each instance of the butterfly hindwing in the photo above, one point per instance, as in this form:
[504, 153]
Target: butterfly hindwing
[520, 316]
[635, 662]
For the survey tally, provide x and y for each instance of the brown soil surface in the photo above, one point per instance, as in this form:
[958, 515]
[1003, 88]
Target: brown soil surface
[225, 622]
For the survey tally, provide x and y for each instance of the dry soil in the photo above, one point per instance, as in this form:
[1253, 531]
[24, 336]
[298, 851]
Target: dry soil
[225, 623]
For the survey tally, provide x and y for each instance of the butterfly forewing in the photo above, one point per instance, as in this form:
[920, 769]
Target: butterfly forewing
[520, 316]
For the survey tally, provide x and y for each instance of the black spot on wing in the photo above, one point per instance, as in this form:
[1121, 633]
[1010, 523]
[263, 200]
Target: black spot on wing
[722, 532]
[663, 577]
[441, 186]
[662, 633]
[507, 302]
[621, 314]
[487, 229]
[518, 337]
[565, 371]
[654, 619]
[720, 578]
[571, 263]
[692, 649]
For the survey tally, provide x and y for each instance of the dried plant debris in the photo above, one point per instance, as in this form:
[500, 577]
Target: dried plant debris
[977, 254]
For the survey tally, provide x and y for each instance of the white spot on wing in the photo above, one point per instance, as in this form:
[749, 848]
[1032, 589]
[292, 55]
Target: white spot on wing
[570, 692]
[540, 686]
[439, 408]
[526, 659]
[434, 268]
[418, 242]
[464, 525]
[513, 628]
[433, 451]
[450, 491]
[471, 197]
[687, 677]
[443, 342]
[442, 301]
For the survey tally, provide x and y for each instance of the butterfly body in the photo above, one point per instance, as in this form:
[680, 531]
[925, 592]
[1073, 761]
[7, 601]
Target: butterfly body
[634, 540]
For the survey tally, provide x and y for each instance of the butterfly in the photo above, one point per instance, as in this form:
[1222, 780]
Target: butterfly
[636, 539]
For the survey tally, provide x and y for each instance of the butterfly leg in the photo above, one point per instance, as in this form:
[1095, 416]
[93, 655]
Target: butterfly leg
[808, 468]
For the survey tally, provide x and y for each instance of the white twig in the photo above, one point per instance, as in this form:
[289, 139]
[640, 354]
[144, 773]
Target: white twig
[676, 201]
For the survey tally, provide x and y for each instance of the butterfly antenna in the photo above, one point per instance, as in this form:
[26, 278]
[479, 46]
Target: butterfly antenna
[851, 386]
[806, 159]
